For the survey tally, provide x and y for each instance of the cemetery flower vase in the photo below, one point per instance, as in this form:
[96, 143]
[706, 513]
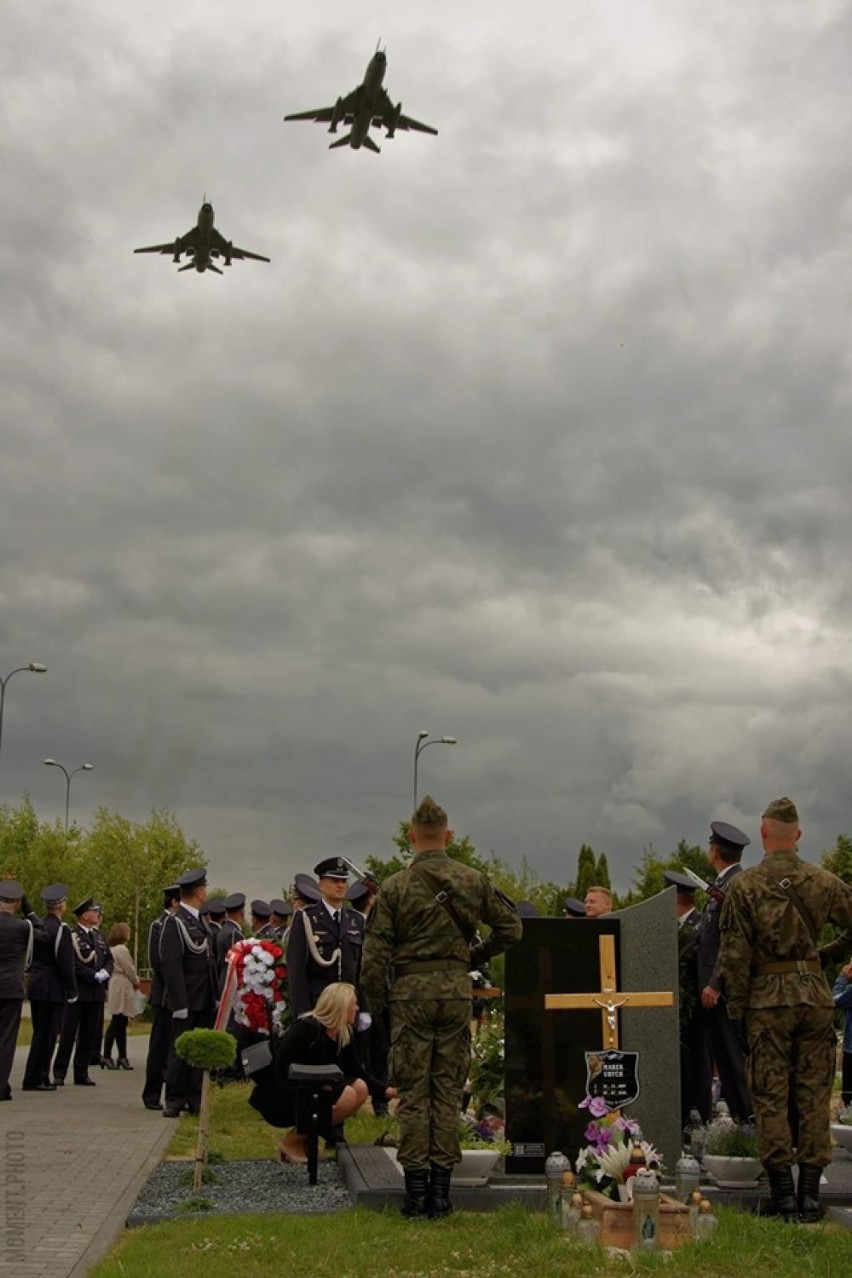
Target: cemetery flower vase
[732, 1172]
[842, 1133]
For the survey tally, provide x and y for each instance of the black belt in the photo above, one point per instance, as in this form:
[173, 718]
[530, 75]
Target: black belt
[410, 966]
[802, 966]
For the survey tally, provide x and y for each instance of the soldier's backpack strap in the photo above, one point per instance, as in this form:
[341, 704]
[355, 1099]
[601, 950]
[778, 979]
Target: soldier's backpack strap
[786, 884]
[442, 896]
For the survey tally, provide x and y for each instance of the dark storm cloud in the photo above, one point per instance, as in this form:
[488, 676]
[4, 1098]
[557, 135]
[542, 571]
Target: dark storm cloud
[534, 433]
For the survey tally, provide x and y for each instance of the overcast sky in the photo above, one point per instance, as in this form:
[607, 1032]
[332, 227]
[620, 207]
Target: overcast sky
[535, 433]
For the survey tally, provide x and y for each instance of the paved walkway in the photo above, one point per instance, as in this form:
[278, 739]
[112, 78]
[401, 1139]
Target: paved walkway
[74, 1161]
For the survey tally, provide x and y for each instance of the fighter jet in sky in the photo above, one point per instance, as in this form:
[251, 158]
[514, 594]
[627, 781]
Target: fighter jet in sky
[367, 105]
[202, 243]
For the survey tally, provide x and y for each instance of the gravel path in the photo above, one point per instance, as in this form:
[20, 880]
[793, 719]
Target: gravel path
[257, 1186]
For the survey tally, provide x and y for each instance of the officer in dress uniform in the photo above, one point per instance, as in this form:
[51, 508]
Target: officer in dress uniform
[696, 1066]
[17, 938]
[325, 941]
[52, 986]
[189, 972]
[161, 1024]
[261, 921]
[725, 1035]
[282, 912]
[231, 930]
[771, 974]
[83, 1021]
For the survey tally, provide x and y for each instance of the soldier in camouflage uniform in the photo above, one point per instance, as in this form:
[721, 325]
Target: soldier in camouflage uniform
[417, 959]
[770, 973]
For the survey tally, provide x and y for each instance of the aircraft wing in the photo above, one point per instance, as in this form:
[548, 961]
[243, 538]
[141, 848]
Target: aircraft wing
[220, 247]
[183, 242]
[404, 122]
[324, 115]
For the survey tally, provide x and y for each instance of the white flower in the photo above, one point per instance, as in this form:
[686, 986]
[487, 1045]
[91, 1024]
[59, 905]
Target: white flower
[614, 1159]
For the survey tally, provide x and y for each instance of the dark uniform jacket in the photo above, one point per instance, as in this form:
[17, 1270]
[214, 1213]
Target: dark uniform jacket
[229, 933]
[707, 938]
[186, 962]
[768, 957]
[91, 953]
[52, 978]
[15, 936]
[157, 997]
[342, 944]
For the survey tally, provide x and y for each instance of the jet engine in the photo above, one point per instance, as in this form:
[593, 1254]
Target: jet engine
[394, 120]
[336, 116]
[229, 249]
[176, 257]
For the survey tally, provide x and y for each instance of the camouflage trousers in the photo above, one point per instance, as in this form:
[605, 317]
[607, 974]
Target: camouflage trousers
[429, 1063]
[790, 1074]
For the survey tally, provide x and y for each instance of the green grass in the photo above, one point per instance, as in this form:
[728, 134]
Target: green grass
[511, 1242]
[237, 1131]
[136, 1029]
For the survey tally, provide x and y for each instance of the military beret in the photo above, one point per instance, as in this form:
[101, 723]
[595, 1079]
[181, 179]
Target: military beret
[88, 903]
[358, 891]
[260, 909]
[11, 890]
[282, 908]
[782, 810]
[193, 878]
[305, 887]
[728, 837]
[215, 906]
[235, 901]
[333, 867]
[683, 884]
[574, 908]
[55, 894]
[428, 812]
[527, 910]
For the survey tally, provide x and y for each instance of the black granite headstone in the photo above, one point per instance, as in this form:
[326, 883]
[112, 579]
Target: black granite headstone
[545, 1051]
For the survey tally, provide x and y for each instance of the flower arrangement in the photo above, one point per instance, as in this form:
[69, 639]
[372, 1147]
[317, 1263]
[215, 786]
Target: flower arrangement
[260, 972]
[488, 1133]
[726, 1138]
[486, 1077]
[602, 1164]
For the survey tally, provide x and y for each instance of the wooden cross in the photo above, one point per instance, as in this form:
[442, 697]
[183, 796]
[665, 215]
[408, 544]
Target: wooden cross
[609, 998]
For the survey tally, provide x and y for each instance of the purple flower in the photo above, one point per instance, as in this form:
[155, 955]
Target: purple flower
[597, 1106]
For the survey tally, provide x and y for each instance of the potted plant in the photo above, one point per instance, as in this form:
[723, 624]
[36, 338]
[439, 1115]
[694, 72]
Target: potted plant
[482, 1147]
[730, 1154]
[841, 1128]
[487, 1071]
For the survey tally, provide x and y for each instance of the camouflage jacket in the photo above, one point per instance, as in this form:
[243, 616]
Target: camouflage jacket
[414, 949]
[761, 927]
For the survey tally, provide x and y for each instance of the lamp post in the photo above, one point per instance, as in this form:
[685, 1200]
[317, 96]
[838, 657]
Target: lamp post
[84, 767]
[36, 667]
[424, 740]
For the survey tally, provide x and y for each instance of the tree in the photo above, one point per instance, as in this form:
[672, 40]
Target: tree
[602, 872]
[839, 859]
[587, 869]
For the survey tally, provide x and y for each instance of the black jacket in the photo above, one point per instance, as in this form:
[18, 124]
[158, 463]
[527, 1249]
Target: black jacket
[52, 978]
[91, 954]
[15, 936]
[707, 935]
[306, 977]
[186, 962]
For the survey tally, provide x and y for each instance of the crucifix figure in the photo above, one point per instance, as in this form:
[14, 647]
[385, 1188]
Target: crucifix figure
[609, 998]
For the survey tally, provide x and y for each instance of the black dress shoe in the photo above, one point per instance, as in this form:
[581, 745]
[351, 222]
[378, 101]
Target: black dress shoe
[38, 1087]
[58, 1080]
[172, 1111]
[152, 1104]
[7, 1095]
[84, 1082]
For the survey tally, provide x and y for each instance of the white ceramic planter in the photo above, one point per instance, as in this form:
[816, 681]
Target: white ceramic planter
[843, 1135]
[733, 1173]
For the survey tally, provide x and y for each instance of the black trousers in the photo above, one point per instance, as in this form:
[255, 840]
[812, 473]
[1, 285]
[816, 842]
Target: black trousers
[81, 1024]
[47, 1025]
[99, 1034]
[696, 1070]
[846, 1078]
[158, 1055]
[116, 1036]
[10, 1019]
[183, 1084]
[727, 1045]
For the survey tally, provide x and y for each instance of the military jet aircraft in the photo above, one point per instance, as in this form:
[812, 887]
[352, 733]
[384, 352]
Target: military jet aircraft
[202, 243]
[367, 105]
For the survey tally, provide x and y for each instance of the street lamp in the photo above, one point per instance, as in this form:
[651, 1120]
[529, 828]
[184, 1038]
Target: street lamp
[423, 740]
[84, 767]
[36, 667]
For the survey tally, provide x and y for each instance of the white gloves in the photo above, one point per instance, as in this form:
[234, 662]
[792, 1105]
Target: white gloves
[181, 1015]
[364, 1021]
[102, 975]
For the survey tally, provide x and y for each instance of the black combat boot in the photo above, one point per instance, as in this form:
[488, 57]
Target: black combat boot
[782, 1195]
[439, 1191]
[416, 1202]
[809, 1205]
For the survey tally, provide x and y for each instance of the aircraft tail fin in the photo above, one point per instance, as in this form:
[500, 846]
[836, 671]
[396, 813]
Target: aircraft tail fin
[370, 145]
[340, 142]
[190, 266]
[211, 267]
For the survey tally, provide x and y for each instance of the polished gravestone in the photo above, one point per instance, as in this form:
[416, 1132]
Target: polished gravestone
[546, 1067]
